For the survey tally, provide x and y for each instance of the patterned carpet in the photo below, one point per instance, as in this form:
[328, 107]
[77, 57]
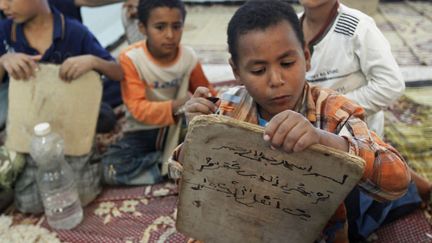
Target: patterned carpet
[413, 24]
[409, 128]
[148, 213]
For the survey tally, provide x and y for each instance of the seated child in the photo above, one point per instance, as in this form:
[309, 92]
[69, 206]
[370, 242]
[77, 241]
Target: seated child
[352, 56]
[270, 58]
[159, 72]
[35, 32]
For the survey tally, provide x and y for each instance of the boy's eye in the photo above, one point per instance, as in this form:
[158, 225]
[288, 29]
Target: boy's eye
[159, 27]
[287, 64]
[177, 26]
[258, 71]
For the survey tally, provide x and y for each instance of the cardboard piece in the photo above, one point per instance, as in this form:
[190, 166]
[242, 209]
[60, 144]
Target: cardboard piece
[71, 108]
[234, 188]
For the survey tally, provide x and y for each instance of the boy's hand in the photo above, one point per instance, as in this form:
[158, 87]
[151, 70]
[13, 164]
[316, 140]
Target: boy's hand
[178, 104]
[73, 67]
[199, 105]
[20, 66]
[291, 131]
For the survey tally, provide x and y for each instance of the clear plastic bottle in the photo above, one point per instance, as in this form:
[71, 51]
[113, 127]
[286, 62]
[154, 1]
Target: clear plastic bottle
[55, 179]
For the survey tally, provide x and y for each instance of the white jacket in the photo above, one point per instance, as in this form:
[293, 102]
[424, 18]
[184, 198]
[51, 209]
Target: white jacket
[354, 58]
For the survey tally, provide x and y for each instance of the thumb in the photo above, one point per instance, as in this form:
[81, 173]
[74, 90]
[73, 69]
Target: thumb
[36, 57]
[201, 92]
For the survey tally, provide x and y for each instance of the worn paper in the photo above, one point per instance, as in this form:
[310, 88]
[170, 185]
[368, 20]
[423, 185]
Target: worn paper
[234, 188]
[71, 109]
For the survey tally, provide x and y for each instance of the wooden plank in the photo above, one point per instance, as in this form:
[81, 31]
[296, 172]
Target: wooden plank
[234, 188]
[71, 109]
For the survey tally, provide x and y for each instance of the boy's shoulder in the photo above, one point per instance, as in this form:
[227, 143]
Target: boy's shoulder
[352, 22]
[139, 49]
[133, 46]
[73, 26]
[187, 50]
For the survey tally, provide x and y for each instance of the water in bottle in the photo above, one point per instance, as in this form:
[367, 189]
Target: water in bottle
[55, 179]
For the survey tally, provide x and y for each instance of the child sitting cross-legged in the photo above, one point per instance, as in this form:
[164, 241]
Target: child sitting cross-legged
[159, 74]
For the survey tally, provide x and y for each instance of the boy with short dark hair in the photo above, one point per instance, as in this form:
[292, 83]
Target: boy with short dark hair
[35, 32]
[159, 74]
[269, 57]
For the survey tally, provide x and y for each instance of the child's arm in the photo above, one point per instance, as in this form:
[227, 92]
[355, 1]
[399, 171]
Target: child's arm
[74, 67]
[385, 83]
[19, 66]
[134, 97]
[386, 175]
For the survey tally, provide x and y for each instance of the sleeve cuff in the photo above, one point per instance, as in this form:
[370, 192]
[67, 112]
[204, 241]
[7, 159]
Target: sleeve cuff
[352, 146]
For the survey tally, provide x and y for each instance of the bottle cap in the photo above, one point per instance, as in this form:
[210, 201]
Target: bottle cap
[42, 129]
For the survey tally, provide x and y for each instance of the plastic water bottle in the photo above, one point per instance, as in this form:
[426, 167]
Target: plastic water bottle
[55, 179]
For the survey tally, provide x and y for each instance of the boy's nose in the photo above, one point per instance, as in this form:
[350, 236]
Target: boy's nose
[276, 78]
[169, 34]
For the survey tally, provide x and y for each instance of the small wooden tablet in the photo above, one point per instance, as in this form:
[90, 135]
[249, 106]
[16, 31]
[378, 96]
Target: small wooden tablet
[235, 188]
[71, 108]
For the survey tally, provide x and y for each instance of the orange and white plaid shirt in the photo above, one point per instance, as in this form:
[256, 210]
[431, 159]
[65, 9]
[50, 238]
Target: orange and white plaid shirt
[386, 175]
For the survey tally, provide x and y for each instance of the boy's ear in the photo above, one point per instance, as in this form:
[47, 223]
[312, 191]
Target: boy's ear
[142, 28]
[235, 71]
[307, 56]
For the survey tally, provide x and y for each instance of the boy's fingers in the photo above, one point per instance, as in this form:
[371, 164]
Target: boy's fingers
[273, 125]
[7, 67]
[64, 71]
[282, 133]
[30, 67]
[32, 61]
[14, 70]
[70, 74]
[295, 133]
[22, 70]
[302, 143]
[61, 71]
[197, 107]
[36, 58]
[201, 92]
[76, 73]
[213, 107]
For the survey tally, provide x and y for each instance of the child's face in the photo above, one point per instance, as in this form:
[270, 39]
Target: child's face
[272, 65]
[163, 29]
[19, 10]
